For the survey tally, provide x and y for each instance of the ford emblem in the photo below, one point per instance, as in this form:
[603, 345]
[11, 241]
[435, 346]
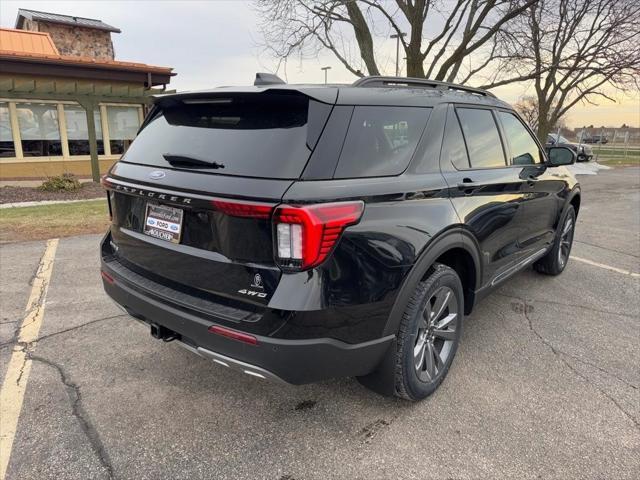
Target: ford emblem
[157, 175]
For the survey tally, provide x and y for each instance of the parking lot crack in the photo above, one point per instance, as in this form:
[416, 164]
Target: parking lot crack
[606, 248]
[32, 312]
[526, 309]
[79, 412]
[572, 305]
[14, 341]
[600, 369]
[24, 363]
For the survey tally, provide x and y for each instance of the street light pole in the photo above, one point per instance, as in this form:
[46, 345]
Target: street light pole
[325, 73]
[397, 37]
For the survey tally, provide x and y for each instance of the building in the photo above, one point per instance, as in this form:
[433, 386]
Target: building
[66, 104]
[76, 36]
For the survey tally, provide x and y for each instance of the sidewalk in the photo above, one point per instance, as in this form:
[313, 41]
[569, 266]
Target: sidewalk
[48, 202]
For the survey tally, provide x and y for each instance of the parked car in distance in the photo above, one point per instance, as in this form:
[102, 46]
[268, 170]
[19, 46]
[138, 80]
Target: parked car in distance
[303, 232]
[584, 152]
[596, 139]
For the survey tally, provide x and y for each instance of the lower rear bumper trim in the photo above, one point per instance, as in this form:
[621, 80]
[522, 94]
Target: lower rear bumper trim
[243, 367]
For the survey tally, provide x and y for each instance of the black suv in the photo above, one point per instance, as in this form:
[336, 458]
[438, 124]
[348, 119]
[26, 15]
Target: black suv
[303, 232]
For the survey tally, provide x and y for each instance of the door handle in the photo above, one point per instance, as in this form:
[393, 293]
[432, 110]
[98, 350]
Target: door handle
[467, 183]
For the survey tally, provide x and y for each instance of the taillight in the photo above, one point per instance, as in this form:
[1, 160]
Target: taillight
[107, 185]
[243, 209]
[305, 235]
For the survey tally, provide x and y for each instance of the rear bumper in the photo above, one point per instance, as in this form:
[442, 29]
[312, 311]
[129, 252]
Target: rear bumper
[291, 361]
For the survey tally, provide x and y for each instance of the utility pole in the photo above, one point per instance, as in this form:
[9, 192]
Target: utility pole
[325, 73]
[397, 37]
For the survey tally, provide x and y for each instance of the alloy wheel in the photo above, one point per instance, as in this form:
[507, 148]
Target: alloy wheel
[566, 238]
[437, 332]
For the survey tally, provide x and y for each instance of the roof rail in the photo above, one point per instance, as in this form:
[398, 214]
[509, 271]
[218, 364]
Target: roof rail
[380, 81]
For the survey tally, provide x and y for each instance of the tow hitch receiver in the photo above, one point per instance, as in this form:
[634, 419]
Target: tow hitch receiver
[162, 333]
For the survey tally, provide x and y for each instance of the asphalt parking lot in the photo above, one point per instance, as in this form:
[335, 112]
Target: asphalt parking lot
[545, 384]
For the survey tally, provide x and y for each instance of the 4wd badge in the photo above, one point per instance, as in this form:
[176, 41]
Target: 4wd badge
[252, 293]
[256, 283]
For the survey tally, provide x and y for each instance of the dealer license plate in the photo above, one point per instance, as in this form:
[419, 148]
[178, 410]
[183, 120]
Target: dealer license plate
[163, 222]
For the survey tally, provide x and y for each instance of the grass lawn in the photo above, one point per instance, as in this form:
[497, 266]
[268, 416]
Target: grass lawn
[620, 161]
[609, 152]
[53, 221]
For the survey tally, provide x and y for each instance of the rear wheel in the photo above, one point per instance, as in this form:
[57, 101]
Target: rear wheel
[429, 334]
[555, 261]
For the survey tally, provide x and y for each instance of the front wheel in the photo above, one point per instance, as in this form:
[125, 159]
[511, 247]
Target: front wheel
[555, 261]
[429, 334]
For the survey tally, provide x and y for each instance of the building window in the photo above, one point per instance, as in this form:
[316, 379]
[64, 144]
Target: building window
[78, 132]
[123, 125]
[7, 148]
[39, 129]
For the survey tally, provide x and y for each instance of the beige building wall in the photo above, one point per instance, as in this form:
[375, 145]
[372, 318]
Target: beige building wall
[40, 170]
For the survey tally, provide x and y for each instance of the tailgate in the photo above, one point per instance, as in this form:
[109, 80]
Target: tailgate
[221, 250]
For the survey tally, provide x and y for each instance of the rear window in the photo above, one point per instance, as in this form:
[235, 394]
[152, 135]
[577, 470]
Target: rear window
[257, 135]
[453, 146]
[482, 137]
[381, 141]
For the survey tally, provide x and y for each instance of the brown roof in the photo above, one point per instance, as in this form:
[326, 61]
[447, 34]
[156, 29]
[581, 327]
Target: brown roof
[36, 47]
[21, 41]
[47, 17]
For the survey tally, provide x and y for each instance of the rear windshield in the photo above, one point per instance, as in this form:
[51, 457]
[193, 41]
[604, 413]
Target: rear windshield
[381, 140]
[256, 135]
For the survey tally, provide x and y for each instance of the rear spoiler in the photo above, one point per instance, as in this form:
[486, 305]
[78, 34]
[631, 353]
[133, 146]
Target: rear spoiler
[321, 94]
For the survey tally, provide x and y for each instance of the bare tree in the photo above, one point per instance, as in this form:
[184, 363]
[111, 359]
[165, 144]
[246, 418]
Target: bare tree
[441, 34]
[582, 51]
[527, 107]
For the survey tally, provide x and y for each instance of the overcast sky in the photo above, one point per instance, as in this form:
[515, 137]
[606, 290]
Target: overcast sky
[216, 42]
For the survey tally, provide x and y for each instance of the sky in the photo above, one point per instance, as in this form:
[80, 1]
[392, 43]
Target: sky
[211, 43]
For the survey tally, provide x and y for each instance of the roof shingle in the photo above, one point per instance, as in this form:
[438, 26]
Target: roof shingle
[62, 19]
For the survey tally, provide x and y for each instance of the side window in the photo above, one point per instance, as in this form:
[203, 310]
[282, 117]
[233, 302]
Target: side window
[381, 140]
[524, 149]
[453, 147]
[482, 137]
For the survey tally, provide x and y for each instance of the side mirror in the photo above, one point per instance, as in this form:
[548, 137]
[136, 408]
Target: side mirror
[559, 156]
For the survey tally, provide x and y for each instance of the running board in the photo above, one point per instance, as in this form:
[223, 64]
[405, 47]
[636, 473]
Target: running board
[518, 266]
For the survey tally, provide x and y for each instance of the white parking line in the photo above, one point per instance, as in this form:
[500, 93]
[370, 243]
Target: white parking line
[15, 380]
[607, 267]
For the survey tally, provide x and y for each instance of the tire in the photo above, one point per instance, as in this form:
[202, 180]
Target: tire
[555, 261]
[436, 302]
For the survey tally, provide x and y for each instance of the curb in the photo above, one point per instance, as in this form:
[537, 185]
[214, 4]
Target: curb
[47, 202]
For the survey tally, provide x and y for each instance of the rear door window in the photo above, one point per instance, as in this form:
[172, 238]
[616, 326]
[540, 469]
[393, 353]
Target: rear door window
[482, 138]
[453, 147]
[268, 135]
[524, 149]
[380, 141]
